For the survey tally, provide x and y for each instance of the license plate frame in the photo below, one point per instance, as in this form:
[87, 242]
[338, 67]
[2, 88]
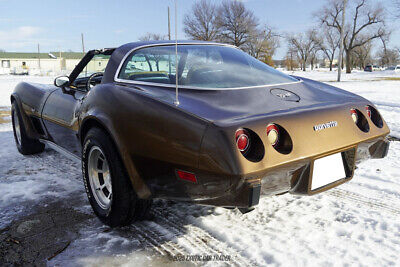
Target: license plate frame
[327, 170]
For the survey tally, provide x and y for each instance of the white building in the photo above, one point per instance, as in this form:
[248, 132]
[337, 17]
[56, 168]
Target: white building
[43, 63]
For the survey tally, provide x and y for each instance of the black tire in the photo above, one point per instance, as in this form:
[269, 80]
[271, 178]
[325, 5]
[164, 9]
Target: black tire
[25, 145]
[124, 206]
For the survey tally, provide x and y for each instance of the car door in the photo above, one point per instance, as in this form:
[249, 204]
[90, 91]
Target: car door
[61, 110]
[60, 116]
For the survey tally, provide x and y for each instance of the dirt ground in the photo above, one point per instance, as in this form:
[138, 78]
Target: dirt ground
[40, 236]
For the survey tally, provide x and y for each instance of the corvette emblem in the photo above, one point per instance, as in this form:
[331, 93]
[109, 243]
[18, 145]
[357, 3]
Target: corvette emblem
[327, 125]
[285, 95]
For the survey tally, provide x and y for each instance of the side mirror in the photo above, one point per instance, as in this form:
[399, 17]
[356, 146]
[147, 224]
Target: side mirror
[61, 81]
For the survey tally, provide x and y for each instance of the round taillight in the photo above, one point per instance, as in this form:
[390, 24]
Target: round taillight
[242, 140]
[374, 116]
[367, 108]
[354, 115]
[273, 134]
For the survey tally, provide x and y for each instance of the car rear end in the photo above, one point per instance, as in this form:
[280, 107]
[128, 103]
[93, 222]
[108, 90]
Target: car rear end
[304, 139]
[368, 68]
[304, 152]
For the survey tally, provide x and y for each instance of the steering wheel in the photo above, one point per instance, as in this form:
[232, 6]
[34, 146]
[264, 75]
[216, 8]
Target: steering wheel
[90, 82]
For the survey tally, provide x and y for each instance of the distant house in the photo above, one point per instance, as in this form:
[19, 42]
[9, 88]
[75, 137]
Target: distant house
[334, 63]
[55, 62]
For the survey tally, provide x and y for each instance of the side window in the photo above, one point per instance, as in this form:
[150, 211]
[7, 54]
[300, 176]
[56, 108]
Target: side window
[153, 64]
[137, 63]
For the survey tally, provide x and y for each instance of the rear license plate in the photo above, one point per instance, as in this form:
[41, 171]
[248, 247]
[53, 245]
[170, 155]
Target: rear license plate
[327, 170]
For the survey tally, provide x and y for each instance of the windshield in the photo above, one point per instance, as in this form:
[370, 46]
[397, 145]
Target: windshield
[97, 64]
[204, 66]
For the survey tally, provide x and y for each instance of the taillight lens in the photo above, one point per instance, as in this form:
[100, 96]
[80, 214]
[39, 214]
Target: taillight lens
[374, 115]
[273, 134]
[354, 115]
[367, 108]
[242, 140]
[359, 120]
[188, 176]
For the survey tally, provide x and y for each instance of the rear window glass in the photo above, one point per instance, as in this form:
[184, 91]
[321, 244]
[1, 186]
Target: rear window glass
[201, 66]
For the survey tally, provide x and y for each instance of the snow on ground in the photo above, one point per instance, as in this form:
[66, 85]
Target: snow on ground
[8, 83]
[357, 223]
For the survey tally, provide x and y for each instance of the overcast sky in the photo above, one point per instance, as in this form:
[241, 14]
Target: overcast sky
[59, 24]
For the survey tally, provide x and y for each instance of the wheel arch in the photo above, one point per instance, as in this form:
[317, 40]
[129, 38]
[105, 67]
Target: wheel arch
[137, 182]
[29, 128]
[15, 98]
[89, 123]
[12, 98]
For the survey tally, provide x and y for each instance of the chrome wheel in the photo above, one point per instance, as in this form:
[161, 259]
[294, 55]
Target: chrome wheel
[17, 127]
[99, 177]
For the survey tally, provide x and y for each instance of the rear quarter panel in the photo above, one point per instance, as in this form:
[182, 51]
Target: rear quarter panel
[152, 136]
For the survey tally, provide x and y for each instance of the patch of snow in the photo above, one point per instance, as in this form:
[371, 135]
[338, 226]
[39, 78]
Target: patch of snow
[25, 179]
[8, 83]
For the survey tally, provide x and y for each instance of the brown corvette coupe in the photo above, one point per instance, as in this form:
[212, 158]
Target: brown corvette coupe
[238, 129]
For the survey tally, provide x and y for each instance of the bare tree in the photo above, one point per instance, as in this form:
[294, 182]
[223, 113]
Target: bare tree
[314, 56]
[263, 44]
[361, 55]
[329, 43]
[237, 24]
[396, 4]
[365, 23]
[388, 57]
[156, 57]
[200, 24]
[290, 59]
[304, 44]
[152, 36]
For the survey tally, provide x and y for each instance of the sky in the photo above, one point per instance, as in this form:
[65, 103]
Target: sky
[57, 25]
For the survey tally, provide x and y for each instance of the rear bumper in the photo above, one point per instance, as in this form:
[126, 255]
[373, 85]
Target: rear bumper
[295, 177]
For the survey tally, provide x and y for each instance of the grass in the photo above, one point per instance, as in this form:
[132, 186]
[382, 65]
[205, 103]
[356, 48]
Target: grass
[5, 116]
[376, 79]
[390, 78]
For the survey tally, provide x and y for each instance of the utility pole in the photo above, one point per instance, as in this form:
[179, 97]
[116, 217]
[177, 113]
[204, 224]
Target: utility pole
[83, 44]
[169, 26]
[341, 41]
[83, 50]
[38, 51]
[60, 58]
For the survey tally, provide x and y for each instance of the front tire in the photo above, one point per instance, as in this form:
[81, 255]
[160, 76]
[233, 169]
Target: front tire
[25, 144]
[107, 184]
